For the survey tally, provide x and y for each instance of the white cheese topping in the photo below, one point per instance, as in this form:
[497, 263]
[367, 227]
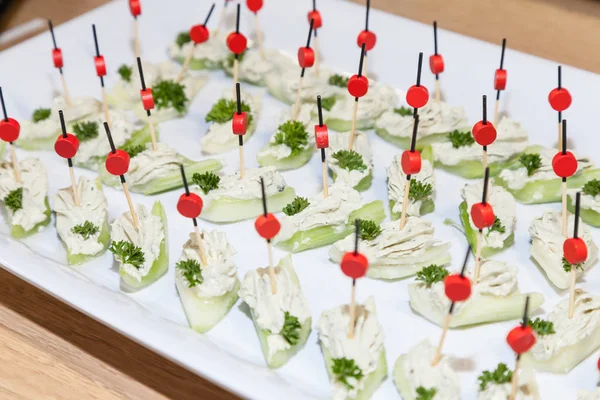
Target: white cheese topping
[396, 182]
[130, 91]
[333, 211]
[269, 308]
[34, 181]
[214, 50]
[495, 391]
[585, 395]
[151, 164]
[588, 202]
[518, 178]
[435, 117]
[419, 372]
[341, 141]
[504, 205]
[149, 237]
[254, 68]
[370, 106]
[284, 85]
[547, 246]
[306, 115]
[569, 331]
[220, 275]
[92, 207]
[364, 347]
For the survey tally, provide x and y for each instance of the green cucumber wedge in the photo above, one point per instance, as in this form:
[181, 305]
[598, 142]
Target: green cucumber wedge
[362, 185]
[588, 216]
[229, 209]
[159, 266]
[471, 233]
[345, 125]
[203, 313]
[280, 358]
[472, 169]
[2, 148]
[198, 64]
[404, 143]
[399, 378]
[18, 232]
[283, 164]
[324, 235]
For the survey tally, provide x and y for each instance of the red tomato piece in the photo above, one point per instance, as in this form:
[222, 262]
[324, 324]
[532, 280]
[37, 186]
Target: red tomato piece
[482, 215]
[417, 96]
[267, 226]
[9, 130]
[358, 86]
[575, 250]
[117, 163]
[236, 42]
[484, 134]
[306, 57]
[354, 265]
[100, 65]
[57, 58]
[321, 136]
[135, 7]
[520, 339]
[199, 34]
[147, 99]
[239, 123]
[368, 38]
[316, 15]
[564, 165]
[190, 205]
[254, 5]
[436, 64]
[500, 79]
[457, 287]
[411, 162]
[66, 147]
[559, 99]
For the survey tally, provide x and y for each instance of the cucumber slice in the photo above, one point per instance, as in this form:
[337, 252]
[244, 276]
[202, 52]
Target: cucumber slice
[280, 358]
[46, 143]
[2, 148]
[159, 266]
[471, 169]
[588, 215]
[170, 180]
[230, 209]
[483, 310]
[399, 378]
[404, 142]
[104, 239]
[371, 382]
[283, 164]
[198, 64]
[471, 234]
[362, 185]
[324, 235]
[203, 313]
[18, 232]
[345, 125]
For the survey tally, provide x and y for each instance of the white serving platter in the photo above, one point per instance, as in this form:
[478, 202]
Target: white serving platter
[230, 354]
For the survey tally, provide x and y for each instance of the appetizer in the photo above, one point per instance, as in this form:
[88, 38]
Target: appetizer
[255, 69]
[416, 378]
[437, 121]
[82, 228]
[322, 221]
[231, 199]
[356, 366]
[171, 98]
[395, 253]
[458, 153]
[220, 137]
[496, 384]
[25, 202]
[532, 180]
[207, 292]
[208, 55]
[291, 146]
[142, 253]
[422, 188]
[282, 319]
[284, 86]
[547, 248]
[40, 132]
[352, 167]
[590, 202]
[501, 234]
[564, 342]
[495, 297]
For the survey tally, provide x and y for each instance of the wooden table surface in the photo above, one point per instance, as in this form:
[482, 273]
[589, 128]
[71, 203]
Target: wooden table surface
[51, 351]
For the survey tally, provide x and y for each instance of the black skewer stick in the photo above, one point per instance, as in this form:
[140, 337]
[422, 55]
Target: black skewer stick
[363, 53]
[315, 9]
[310, 31]
[239, 109]
[63, 126]
[113, 149]
[564, 136]
[237, 26]
[484, 120]
[367, 15]
[462, 274]
[209, 14]
[141, 71]
[264, 197]
[576, 223]
[320, 110]
[485, 185]
[97, 50]
[435, 45]
[413, 142]
[525, 312]
[54, 40]
[3, 105]
[187, 189]
[419, 66]
[559, 87]
[501, 64]
[356, 238]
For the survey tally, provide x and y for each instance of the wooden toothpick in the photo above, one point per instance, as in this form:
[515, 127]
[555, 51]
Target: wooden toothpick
[148, 113]
[60, 68]
[303, 70]
[480, 231]
[498, 91]
[272, 276]
[69, 161]
[101, 76]
[353, 293]
[573, 281]
[190, 54]
[408, 177]
[195, 221]
[560, 136]
[13, 154]
[236, 58]
[564, 180]
[437, 76]
[321, 146]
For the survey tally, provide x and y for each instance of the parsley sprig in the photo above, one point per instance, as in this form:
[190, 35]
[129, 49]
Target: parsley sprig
[291, 329]
[86, 230]
[542, 327]
[328, 102]
[293, 134]
[592, 187]
[191, 271]
[499, 376]
[567, 266]
[128, 253]
[338, 80]
[296, 206]
[425, 394]
[531, 161]
[369, 229]
[169, 93]
[134, 149]
[14, 200]
[497, 226]
[419, 190]
[206, 181]
[349, 160]
[222, 111]
[460, 138]
[404, 111]
[85, 130]
[344, 368]
[182, 38]
[125, 72]
[432, 274]
[41, 114]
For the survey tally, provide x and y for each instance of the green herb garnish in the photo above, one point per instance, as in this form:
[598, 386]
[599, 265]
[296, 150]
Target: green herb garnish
[191, 271]
[134, 149]
[183, 38]
[419, 190]
[432, 274]
[293, 134]
[296, 206]
[460, 139]
[328, 102]
[404, 111]
[350, 160]
[291, 329]
[169, 94]
[85, 130]
[41, 114]
[86, 230]
[222, 111]
[542, 327]
[128, 252]
[567, 266]
[497, 226]
[369, 230]
[425, 394]
[344, 368]
[206, 181]
[231, 58]
[338, 80]
[531, 161]
[125, 72]
[592, 187]
[499, 376]
[14, 199]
